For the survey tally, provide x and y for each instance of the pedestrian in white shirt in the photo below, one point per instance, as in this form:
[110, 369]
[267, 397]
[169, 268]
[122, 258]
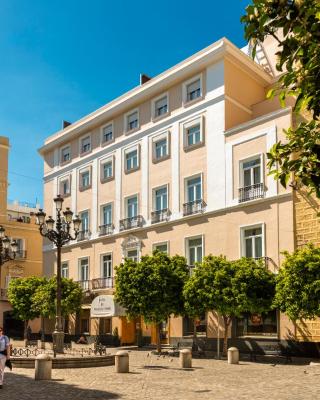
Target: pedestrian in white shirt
[4, 354]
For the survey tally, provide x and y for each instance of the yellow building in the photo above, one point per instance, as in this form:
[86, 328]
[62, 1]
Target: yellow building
[20, 226]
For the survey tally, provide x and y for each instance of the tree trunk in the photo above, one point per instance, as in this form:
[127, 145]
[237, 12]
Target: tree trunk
[159, 338]
[42, 330]
[226, 321]
[25, 333]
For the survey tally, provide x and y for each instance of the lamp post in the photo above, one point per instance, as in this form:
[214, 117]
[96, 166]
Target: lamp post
[5, 247]
[58, 232]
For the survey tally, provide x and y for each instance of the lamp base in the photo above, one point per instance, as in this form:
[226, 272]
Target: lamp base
[58, 341]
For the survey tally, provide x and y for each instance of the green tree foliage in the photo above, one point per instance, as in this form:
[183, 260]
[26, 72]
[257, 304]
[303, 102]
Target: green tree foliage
[20, 293]
[152, 288]
[295, 25]
[44, 299]
[298, 284]
[229, 288]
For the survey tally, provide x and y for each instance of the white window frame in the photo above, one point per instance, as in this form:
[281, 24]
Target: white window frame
[134, 249]
[102, 163]
[199, 120]
[104, 143]
[157, 138]
[186, 179]
[80, 144]
[153, 106]
[101, 212]
[154, 195]
[186, 246]
[247, 159]
[89, 219]
[184, 90]
[109, 253]
[127, 151]
[79, 267]
[126, 125]
[68, 145]
[242, 237]
[62, 263]
[166, 242]
[64, 179]
[126, 204]
[81, 171]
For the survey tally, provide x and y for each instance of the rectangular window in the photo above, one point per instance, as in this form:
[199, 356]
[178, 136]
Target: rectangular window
[85, 144]
[84, 269]
[161, 199]
[106, 266]
[132, 207]
[132, 121]
[161, 148]
[193, 90]
[162, 247]
[193, 135]
[65, 187]
[253, 242]
[132, 160]
[84, 216]
[85, 179]
[107, 134]
[107, 214]
[194, 250]
[65, 270]
[161, 106]
[133, 255]
[65, 154]
[251, 172]
[194, 189]
[257, 324]
[107, 170]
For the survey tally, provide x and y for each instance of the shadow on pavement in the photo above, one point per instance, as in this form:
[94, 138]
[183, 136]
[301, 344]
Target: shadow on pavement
[21, 387]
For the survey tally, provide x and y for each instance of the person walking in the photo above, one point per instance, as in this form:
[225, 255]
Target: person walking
[4, 354]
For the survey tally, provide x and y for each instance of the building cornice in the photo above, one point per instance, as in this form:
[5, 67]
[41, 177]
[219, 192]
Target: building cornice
[193, 64]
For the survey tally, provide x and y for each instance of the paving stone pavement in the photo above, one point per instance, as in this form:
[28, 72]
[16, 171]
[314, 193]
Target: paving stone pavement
[155, 378]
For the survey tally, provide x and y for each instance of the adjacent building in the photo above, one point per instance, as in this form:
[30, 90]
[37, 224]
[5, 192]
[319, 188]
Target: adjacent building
[20, 226]
[176, 164]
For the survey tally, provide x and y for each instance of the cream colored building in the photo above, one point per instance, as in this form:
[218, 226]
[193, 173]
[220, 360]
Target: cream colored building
[178, 163]
[20, 226]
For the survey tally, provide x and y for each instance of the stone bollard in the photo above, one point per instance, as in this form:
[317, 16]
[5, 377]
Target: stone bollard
[122, 361]
[43, 367]
[233, 355]
[185, 358]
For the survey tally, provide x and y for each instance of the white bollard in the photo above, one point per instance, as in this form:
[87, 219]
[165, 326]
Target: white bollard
[43, 367]
[185, 358]
[122, 361]
[233, 355]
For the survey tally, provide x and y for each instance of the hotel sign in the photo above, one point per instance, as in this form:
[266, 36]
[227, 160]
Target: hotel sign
[104, 306]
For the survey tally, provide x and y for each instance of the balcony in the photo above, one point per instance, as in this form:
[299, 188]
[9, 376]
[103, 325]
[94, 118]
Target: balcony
[252, 192]
[194, 207]
[268, 263]
[133, 222]
[160, 215]
[83, 235]
[85, 285]
[106, 229]
[102, 283]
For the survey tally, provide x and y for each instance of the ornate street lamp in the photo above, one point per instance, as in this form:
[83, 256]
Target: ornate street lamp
[7, 250]
[58, 232]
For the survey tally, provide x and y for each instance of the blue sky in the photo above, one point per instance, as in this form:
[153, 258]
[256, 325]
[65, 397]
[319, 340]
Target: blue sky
[63, 59]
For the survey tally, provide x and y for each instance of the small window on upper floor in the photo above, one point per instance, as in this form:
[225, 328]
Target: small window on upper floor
[132, 121]
[65, 269]
[65, 187]
[161, 147]
[85, 144]
[192, 89]
[252, 241]
[106, 170]
[65, 155]
[162, 247]
[193, 133]
[132, 160]
[85, 179]
[107, 134]
[160, 106]
[251, 185]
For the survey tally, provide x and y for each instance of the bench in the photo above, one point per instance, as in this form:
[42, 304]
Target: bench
[275, 351]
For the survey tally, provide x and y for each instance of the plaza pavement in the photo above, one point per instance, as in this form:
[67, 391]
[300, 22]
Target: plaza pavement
[154, 378]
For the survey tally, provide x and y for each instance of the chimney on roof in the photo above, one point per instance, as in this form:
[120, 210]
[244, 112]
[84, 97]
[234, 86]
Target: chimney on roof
[65, 124]
[144, 78]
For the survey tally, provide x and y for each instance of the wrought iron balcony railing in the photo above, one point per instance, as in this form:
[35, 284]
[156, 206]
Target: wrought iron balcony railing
[85, 285]
[133, 222]
[83, 235]
[194, 207]
[102, 283]
[252, 192]
[160, 215]
[268, 263]
[106, 229]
